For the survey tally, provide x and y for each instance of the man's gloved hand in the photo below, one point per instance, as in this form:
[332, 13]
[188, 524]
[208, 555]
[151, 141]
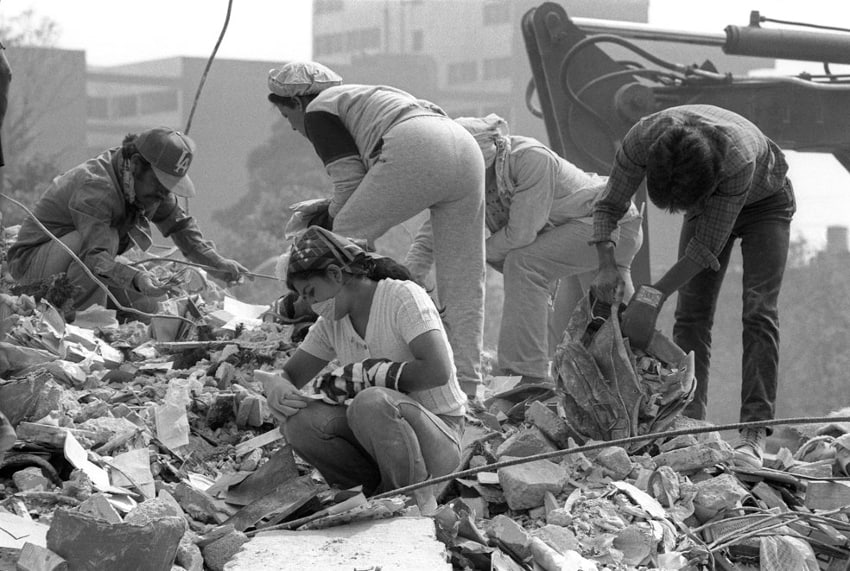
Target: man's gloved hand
[149, 285]
[229, 271]
[345, 382]
[638, 319]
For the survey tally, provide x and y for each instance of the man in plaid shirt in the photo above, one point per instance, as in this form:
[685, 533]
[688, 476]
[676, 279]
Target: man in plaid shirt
[729, 180]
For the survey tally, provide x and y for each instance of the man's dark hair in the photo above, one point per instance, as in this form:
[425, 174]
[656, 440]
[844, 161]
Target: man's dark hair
[291, 101]
[128, 149]
[682, 167]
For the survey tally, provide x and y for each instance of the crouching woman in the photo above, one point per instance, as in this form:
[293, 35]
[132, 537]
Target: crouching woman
[391, 414]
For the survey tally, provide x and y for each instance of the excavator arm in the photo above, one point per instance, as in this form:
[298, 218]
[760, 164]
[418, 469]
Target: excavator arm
[589, 100]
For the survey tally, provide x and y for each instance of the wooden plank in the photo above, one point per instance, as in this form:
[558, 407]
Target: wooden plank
[50, 435]
[258, 441]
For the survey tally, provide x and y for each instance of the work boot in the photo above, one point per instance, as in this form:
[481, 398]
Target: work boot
[750, 448]
[7, 436]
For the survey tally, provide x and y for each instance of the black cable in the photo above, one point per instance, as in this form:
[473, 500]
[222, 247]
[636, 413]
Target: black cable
[622, 442]
[802, 24]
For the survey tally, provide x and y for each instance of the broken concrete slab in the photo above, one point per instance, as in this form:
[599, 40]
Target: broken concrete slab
[98, 505]
[398, 544]
[88, 543]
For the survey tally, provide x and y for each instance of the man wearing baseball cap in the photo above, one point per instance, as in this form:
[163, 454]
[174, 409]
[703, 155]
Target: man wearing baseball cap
[103, 207]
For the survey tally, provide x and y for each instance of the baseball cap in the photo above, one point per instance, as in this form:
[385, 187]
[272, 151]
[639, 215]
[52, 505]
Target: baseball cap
[170, 153]
[302, 78]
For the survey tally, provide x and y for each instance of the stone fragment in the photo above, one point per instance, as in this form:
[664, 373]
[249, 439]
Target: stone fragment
[616, 461]
[524, 485]
[526, 442]
[164, 505]
[88, 543]
[220, 551]
[557, 537]
[692, 458]
[224, 375]
[549, 423]
[99, 507]
[37, 558]
[189, 555]
[505, 530]
[559, 517]
[718, 494]
[197, 504]
[31, 480]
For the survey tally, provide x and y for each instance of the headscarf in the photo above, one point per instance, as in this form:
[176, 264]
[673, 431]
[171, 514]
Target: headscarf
[493, 138]
[317, 248]
[301, 78]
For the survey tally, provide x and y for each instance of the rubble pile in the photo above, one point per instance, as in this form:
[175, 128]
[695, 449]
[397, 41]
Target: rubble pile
[138, 451]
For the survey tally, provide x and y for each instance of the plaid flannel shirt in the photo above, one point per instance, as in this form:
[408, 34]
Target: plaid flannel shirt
[753, 168]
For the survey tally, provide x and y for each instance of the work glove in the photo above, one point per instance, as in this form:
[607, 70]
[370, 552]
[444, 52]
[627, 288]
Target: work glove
[229, 271]
[345, 382]
[637, 321]
[283, 398]
[150, 286]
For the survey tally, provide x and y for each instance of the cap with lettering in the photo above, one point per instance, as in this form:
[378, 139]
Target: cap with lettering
[170, 153]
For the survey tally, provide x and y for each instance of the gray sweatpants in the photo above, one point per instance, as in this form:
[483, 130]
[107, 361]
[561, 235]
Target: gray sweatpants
[434, 163]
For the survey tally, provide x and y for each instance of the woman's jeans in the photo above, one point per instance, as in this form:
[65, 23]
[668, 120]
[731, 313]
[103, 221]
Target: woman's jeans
[764, 230]
[383, 440]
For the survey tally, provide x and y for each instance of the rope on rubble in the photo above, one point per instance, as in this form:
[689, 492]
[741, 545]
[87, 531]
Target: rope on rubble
[618, 442]
[88, 272]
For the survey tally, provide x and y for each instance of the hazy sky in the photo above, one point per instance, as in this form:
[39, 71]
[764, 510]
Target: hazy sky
[115, 32]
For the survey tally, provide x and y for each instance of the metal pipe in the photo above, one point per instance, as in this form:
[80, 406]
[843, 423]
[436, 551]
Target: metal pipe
[787, 44]
[640, 31]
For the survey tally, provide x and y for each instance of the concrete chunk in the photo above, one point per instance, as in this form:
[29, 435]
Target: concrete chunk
[220, 551]
[616, 461]
[31, 480]
[524, 485]
[398, 544]
[88, 543]
[36, 558]
[549, 423]
[721, 493]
